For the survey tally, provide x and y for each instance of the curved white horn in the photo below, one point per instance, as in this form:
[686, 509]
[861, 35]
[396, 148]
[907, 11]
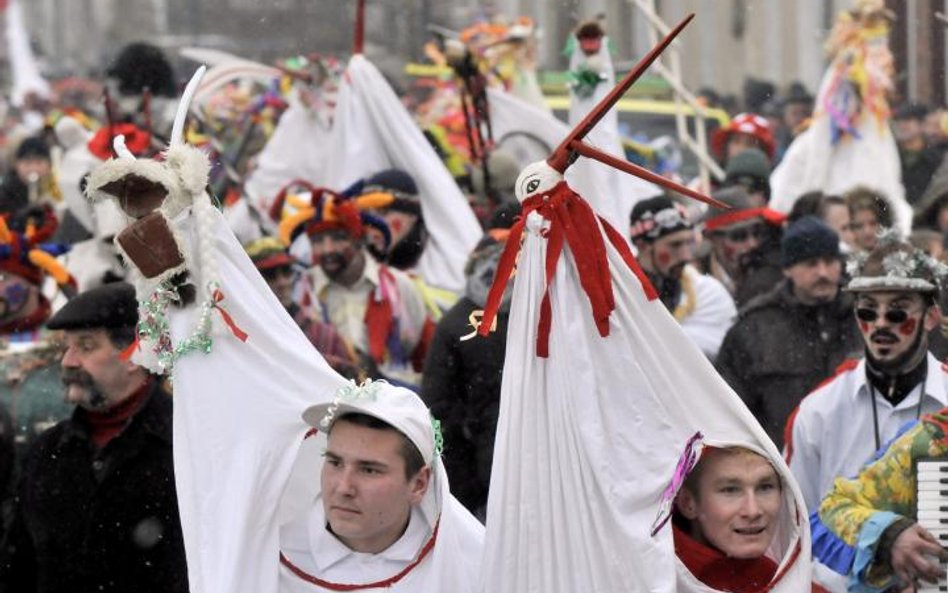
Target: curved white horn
[177, 130]
[118, 143]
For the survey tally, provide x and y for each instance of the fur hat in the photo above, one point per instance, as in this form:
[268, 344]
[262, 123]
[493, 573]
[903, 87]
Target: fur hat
[895, 266]
[142, 65]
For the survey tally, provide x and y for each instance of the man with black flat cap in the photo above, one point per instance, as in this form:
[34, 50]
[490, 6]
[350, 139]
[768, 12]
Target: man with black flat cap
[96, 508]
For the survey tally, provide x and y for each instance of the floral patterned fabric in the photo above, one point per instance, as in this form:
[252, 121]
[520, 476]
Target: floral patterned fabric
[859, 510]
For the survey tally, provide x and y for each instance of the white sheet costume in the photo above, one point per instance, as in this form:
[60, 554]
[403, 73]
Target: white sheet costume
[589, 437]
[849, 142]
[611, 192]
[373, 132]
[243, 374]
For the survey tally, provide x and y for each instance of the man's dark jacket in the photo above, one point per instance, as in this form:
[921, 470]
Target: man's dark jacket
[779, 350]
[461, 385]
[102, 522]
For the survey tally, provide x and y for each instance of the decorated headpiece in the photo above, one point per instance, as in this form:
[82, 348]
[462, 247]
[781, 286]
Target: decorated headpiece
[24, 255]
[153, 193]
[656, 217]
[741, 210]
[329, 209]
[397, 406]
[895, 266]
[268, 252]
[744, 123]
[399, 185]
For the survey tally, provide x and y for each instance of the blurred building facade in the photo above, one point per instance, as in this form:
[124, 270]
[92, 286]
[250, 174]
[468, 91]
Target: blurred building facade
[772, 40]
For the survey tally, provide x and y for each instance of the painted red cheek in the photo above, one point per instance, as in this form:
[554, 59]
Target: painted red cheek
[864, 327]
[663, 257]
[908, 327]
[396, 226]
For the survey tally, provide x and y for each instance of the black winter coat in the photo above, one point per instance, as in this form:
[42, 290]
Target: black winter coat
[461, 385]
[779, 350]
[90, 521]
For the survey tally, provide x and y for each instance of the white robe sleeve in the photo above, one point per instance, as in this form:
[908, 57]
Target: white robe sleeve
[237, 427]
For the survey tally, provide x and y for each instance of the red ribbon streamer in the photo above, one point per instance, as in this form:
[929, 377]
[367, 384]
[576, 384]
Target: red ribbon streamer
[573, 222]
[238, 333]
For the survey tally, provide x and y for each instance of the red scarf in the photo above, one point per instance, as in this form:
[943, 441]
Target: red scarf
[574, 223]
[718, 571]
[108, 424]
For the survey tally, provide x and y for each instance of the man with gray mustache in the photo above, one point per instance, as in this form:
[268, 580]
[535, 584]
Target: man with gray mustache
[96, 508]
[788, 340]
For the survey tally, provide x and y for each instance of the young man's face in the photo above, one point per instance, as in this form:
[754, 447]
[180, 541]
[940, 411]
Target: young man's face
[865, 227]
[334, 250]
[366, 496]
[815, 280]
[94, 376]
[736, 504]
[667, 256]
[891, 323]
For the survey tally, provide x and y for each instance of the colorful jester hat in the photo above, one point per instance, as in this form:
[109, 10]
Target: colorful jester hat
[541, 188]
[156, 194]
[25, 255]
[328, 209]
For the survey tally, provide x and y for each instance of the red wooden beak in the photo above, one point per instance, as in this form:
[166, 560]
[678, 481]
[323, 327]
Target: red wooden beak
[358, 41]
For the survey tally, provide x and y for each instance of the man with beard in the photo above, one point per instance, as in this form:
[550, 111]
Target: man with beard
[96, 508]
[398, 204]
[744, 245]
[838, 427]
[281, 271]
[376, 308]
[788, 340]
[665, 240]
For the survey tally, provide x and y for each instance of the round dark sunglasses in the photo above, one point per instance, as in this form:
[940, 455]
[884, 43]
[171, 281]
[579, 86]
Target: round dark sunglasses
[894, 316]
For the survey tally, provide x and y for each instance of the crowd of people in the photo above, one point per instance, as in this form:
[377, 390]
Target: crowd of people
[821, 311]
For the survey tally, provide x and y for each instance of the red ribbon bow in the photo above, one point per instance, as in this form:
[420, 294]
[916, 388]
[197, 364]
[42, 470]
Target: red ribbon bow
[574, 222]
[238, 333]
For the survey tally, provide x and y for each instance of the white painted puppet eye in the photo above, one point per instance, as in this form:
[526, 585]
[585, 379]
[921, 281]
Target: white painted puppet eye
[536, 178]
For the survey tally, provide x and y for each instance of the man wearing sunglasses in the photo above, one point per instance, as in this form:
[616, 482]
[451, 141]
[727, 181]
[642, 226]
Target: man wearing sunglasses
[839, 426]
[665, 240]
[786, 341]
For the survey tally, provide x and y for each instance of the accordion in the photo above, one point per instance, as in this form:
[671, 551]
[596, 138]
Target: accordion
[932, 510]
